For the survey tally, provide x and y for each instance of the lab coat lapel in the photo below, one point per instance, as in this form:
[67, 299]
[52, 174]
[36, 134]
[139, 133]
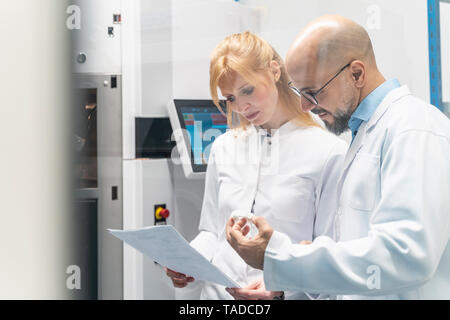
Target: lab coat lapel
[366, 127]
[251, 183]
[391, 98]
[351, 154]
[355, 146]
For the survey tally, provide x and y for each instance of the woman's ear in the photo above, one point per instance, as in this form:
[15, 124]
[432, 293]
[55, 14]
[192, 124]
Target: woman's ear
[276, 70]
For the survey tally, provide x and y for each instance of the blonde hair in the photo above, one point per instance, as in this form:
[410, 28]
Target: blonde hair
[248, 55]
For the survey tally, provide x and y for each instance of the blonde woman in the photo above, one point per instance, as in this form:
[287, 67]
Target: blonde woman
[275, 162]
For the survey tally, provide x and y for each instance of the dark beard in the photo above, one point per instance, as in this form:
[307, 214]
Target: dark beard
[340, 124]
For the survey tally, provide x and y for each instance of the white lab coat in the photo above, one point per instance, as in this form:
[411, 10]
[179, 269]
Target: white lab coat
[393, 217]
[290, 177]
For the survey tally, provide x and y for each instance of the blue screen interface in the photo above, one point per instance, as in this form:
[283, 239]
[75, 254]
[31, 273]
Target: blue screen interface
[203, 125]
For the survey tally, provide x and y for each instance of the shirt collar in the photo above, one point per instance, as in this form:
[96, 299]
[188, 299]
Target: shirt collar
[286, 128]
[368, 106]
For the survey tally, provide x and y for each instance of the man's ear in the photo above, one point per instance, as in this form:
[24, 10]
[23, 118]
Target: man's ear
[276, 70]
[358, 71]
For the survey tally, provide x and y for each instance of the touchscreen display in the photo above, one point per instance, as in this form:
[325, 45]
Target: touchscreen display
[204, 124]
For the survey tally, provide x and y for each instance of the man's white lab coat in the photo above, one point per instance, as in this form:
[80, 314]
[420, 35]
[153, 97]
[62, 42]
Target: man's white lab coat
[289, 178]
[393, 218]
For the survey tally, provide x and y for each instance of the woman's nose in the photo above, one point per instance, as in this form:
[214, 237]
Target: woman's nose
[242, 106]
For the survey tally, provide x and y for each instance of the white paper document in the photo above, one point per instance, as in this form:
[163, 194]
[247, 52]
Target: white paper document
[166, 246]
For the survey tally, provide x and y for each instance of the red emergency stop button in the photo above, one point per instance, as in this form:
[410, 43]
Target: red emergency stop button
[162, 213]
[165, 213]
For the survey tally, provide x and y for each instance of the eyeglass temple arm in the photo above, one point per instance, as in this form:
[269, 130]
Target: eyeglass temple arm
[342, 69]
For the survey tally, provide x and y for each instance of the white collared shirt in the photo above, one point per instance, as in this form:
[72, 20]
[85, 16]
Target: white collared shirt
[289, 178]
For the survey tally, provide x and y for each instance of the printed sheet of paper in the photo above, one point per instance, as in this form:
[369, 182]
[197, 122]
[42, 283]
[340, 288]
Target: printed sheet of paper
[166, 246]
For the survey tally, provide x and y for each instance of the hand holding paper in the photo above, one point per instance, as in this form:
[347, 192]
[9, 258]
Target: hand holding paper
[179, 280]
[166, 246]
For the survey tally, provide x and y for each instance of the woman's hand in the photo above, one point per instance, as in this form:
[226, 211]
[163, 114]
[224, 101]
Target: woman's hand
[179, 280]
[255, 291]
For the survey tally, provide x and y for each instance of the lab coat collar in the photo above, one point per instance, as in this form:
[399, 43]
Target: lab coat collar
[366, 127]
[391, 97]
[285, 129]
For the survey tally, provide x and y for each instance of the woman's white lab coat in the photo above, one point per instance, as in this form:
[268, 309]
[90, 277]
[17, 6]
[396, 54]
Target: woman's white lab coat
[289, 178]
[393, 218]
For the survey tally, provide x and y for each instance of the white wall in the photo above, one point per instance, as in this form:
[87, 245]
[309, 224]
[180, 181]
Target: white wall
[156, 56]
[398, 30]
[198, 25]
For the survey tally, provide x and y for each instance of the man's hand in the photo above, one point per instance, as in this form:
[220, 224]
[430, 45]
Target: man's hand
[255, 291]
[179, 280]
[251, 250]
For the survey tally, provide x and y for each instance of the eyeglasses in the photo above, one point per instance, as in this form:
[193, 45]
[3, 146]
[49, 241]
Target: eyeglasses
[311, 96]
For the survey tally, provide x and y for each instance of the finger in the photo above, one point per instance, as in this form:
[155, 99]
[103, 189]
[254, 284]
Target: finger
[179, 284]
[254, 285]
[233, 231]
[178, 277]
[235, 237]
[230, 222]
[242, 222]
[238, 226]
[246, 230]
[264, 228]
[259, 222]
[229, 227]
[169, 271]
[172, 274]
[305, 242]
[182, 280]
[179, 280]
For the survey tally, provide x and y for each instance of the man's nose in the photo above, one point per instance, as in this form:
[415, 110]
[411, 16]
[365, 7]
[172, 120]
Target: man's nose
[307, 106]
